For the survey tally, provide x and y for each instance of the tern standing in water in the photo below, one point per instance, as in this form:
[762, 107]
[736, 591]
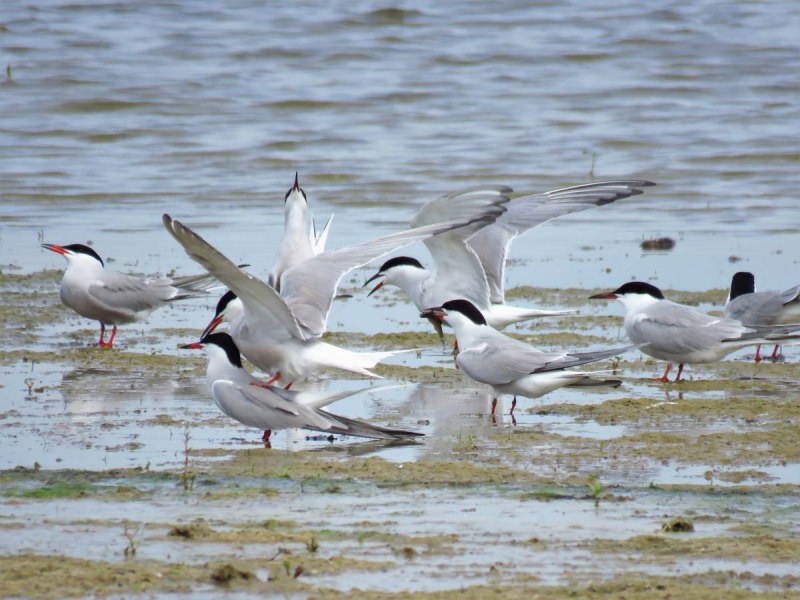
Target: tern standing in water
[681, 334]
[511, 366]
[115, 298]
[750, 307]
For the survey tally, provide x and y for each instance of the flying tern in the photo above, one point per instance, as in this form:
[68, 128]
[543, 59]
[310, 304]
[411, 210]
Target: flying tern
[279, 331]
[255, 403]
[470, 262]
[512, 366]
[681, 334]
[116, 298]
[750, 307]
[301, 240]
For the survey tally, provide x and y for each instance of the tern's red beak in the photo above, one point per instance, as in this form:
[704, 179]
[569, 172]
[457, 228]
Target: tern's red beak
[377, 287]
[192, 346]
[604, 296]
[212, 326]
[437, 313]
[55, 248]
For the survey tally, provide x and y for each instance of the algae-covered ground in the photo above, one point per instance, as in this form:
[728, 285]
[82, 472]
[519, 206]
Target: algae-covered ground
[121, 478]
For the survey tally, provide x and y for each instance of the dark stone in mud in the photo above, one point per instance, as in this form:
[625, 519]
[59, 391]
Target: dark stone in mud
[677, 525]
[662, 243]
[227, 573]
[189, 532]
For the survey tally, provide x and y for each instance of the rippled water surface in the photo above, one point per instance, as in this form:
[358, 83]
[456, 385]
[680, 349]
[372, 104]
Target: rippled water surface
[116, 112]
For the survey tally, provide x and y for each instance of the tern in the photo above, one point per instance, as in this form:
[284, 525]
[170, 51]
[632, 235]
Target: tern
[469, 263]
[279, 331]
[116, 298]
[512, 366]
[750, 307]
[255, 403]
[301, 240]
[681, 334]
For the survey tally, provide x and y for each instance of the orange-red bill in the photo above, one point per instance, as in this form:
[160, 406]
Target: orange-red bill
[55, 248]
[212, 326]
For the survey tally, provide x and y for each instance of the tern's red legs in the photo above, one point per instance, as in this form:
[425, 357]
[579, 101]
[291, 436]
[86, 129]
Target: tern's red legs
[664, 378]
[102, 343]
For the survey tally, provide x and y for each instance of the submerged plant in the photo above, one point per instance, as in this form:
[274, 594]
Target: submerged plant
[133, 536]
[595, 488]
[187, 477]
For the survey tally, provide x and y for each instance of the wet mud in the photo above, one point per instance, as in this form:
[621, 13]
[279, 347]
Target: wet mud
[122, 478]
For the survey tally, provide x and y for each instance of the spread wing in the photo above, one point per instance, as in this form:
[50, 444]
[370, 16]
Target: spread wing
[491, 244]
[309, 287]
[260, 300]
[677, 329]
[458, 272]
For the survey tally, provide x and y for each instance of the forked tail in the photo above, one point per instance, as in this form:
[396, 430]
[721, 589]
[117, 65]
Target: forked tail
[361, 429]
[328, 355]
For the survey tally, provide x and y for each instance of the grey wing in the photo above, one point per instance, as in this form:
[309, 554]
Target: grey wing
[262, 408]
[458, 270]
[260, 299]
[500, 359]
[676, 329]
[309, 287]
[124, 293]
[491, 243]
[265, 408]
[790, 295]
[464, 204]
[757, 308]
[575, 359]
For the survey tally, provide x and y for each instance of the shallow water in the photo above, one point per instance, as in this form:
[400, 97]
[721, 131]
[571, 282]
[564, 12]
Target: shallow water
[115, 113]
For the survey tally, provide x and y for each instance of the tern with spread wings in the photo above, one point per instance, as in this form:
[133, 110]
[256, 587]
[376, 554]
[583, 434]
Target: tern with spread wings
[279, 331]
[469, 263]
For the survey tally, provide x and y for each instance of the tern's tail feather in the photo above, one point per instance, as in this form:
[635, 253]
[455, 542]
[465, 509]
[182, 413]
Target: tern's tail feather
[318, 399]
[502, 315]
[361, 429]
[590, 380]
[192, 286]
[328, 355]
[574, 359]
[768, 334]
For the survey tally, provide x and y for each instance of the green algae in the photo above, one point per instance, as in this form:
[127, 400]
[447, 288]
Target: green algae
[310, 467]
[57, 576]
[764, 548]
